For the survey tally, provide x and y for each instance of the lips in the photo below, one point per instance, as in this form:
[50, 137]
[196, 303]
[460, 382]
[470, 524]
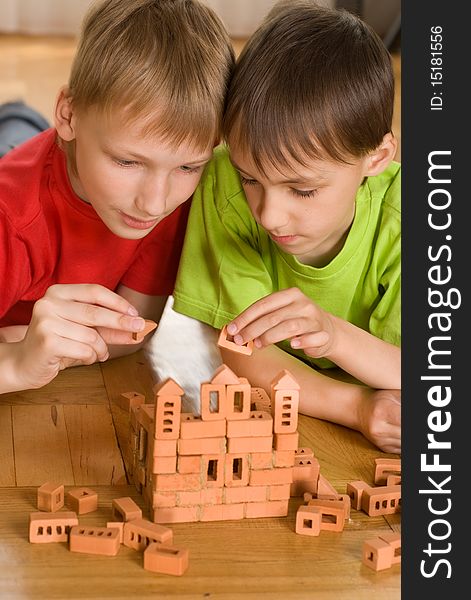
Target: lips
[283, 239]
[138, 223]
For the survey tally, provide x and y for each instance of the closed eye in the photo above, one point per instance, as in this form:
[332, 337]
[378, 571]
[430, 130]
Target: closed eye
[245, 181]
[303, 193]
[125, 163]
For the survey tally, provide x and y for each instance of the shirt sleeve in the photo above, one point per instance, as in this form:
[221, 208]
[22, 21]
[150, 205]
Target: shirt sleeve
[15, 275]
[154, 270]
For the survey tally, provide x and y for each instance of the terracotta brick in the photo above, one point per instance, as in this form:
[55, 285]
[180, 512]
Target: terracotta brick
[168, 560]
[325, 488]
[178, 514]
[164, 464]
[333, 513]
[308, 520]
[286, 441]
[260, 400]
[284, 458]
[261, 460]
[213, 402]
[177, 482]
[258, 424]
[244, 494]
[163, 499]
[236, 470]
[377, 554]
[82, 500]
[299, 488]
[213, 466]
[129, 399]
[304, 452]
[139, 533]
[238, 401]
[45, 528]
[125, 509]
[149, 326]
[384, 500]
[271, 477]
[192, 427]
[385, 467]
[223, 375]
[119, 526]
[344, 499]
[50, 496]
[225, 340]
[394, 480]
[355, 490]
[204, 496]
[94, 540]
[202, 446]
[189, 464]
[275, 508]
[279, 492]
[146, 415]
[284, 403]
[164, 447]
[168, 410]
[246, 445]
[222, 512]
[306, 469]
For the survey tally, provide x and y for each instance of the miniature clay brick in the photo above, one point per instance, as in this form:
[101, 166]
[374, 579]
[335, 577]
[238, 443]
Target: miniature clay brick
[50, 496]
[394, 480]
[299, 488]
[82, 500]
[355, 490]
[164, 464]
[167, 417]
[222, 512]
[177, 482]
[223, 375]
[260, 400]
[163, 499]
[45, 528]
[377, 554]
[225, 340]
[274, 508]
[139, 533]
[308, 520]
[164, 447]
[178, 514]
[215, 445]
[236, 471]
[304, 452]
[286, 441]
[325, 488]
[129, 399]
[146, 415]
[148, 327]
[278, 476]
[284, 458]
[279, 492]
[385, 467]
[306, 469]
[192, 427]
[94, 540]
[261, 460]
[119, 526]
[213, 470]
[204, 496]
[237, 495]
[393, 538]
[238, 401]
[125, 509]
[285, 411]
[189, 464]
[332, 513]
[168, 560]
[258, 424]
[249, 444]
[384, 500]
[213, 402]
[344, 499]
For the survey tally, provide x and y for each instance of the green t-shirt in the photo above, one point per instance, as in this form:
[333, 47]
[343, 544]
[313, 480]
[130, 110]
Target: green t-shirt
[229, 261]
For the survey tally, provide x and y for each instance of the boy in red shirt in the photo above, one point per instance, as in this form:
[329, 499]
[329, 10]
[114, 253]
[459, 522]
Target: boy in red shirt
[93, 211]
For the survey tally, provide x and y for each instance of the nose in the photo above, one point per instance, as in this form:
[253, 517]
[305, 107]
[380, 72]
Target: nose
[271, 212]
[152, 195]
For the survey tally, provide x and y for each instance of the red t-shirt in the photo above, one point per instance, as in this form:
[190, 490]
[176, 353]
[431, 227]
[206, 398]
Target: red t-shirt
[49, 235]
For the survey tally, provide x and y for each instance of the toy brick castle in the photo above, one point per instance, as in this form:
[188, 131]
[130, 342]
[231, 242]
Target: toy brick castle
[238, 458]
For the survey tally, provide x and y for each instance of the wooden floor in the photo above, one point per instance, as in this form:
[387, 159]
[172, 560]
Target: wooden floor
[33, 68]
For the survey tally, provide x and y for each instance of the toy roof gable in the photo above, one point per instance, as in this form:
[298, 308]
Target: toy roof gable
[285, 381]
[224, 376]
[168, 388]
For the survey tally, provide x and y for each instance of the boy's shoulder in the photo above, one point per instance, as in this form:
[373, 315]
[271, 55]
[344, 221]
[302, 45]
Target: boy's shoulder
[221, 176]
[386, 186]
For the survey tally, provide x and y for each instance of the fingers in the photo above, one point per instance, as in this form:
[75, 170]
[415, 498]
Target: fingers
[92, 294]
[314, 344]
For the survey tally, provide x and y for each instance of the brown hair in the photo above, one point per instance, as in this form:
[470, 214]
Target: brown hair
[311, 82]
[168, 61]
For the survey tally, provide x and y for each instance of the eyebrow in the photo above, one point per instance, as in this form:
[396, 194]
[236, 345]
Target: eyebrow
[318, 179]
[198, 161]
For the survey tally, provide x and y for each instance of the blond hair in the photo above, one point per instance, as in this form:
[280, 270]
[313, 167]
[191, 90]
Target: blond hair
[167, 61]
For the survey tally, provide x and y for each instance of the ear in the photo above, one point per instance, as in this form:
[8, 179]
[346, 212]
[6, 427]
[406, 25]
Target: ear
[380, 158]
[64, 121]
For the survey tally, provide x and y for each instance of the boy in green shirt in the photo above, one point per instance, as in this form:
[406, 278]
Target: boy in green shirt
[294, 240]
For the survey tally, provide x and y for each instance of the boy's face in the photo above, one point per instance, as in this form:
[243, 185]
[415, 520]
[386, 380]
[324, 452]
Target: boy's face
[132, 182]
[308, 211]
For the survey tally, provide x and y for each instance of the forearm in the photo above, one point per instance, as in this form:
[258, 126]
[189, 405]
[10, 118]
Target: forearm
[14, 333]
[320, 396]
[10, 379]
[369, 359]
